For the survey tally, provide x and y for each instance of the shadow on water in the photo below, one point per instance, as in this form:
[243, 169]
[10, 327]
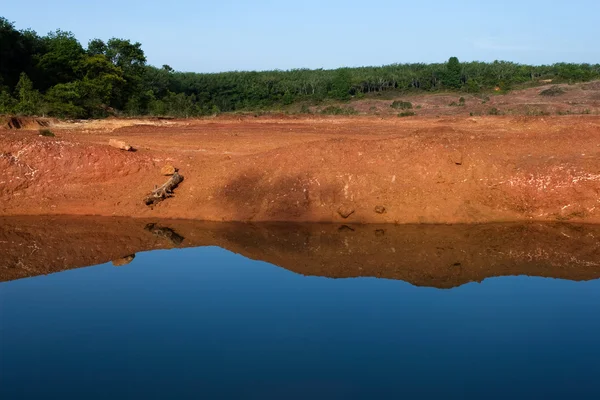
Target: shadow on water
[441, 256]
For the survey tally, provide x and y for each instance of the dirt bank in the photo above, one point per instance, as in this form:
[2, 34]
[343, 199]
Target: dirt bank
[371, 169]
[441, 256]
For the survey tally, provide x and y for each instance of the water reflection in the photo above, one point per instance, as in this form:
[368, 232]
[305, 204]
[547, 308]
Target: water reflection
[203, 322]
[441, 256]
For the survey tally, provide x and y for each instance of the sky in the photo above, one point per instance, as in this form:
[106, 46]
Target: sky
[226, 35]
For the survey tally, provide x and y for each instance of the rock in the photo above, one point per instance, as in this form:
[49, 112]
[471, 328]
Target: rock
[119, 144]
[168, 170]
[379, 209]
[345, 211]
[456, 157]
[119, 262]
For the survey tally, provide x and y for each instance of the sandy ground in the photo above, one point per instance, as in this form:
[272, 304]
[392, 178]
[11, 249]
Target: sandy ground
[452, 169]
[441, 256]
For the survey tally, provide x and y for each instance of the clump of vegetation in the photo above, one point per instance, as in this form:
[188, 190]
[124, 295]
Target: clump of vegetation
[407, 114]
[493, 111]
[538, 113]
[334, 110]
[401, 105]
[419, 107]
[305, 109]
[553, 91]
[47, 133]
[570, 112]
[461, 103]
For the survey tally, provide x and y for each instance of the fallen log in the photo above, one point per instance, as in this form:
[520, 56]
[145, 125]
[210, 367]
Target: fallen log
[164, 191]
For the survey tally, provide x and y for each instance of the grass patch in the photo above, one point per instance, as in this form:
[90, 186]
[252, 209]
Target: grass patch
[47, 133]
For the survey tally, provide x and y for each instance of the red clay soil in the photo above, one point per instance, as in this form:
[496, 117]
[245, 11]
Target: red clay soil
[370, 169]
[441, 256]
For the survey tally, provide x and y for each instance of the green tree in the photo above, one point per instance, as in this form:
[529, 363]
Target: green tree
[453, 75]
[341, 84]
[58, 64]
[29, 100]
[64, 100]
[7, 102]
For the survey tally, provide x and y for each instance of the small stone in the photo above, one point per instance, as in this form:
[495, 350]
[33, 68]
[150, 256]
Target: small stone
[123, 261]
[119, 144]
[379, 209]
[456, 157]
[168, 170]
[345, 211]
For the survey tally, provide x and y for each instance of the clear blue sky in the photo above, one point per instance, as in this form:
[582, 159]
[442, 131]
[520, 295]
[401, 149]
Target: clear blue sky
[223, 35]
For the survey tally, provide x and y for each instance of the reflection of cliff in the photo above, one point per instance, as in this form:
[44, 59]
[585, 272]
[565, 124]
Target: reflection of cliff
[442, 256]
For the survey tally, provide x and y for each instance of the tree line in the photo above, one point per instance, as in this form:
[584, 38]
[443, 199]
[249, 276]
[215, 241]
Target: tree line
[56, 75]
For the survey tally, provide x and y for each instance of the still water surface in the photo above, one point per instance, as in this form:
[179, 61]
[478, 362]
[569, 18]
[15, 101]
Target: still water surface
[207, 323]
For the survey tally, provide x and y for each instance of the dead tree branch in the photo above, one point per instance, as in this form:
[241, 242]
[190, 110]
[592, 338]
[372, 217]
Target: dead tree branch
[164, 191]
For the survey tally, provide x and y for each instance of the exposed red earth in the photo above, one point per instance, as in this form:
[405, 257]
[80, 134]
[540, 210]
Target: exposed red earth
[358, 169]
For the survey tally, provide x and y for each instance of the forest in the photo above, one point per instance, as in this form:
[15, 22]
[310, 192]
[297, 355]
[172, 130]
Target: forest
[55, 75]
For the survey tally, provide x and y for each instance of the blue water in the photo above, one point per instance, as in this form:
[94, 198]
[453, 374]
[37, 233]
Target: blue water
[207, 323]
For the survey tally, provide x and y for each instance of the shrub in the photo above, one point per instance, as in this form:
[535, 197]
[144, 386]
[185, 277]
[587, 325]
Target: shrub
[406, 114]
[47, 133]
[305, 109]
[493, 111]
[461, 101]
[553, 91]
[401, 105]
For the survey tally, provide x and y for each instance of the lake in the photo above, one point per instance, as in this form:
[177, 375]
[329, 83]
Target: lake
[180, 309]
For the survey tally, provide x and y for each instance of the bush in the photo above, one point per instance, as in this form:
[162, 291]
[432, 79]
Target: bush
[334, 110]
[493, 111]
[47, 133]
[553, 91]
[305, 109]
[401, 105]
[407, 114]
